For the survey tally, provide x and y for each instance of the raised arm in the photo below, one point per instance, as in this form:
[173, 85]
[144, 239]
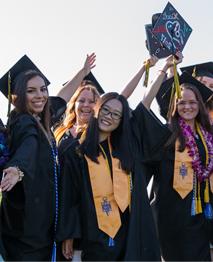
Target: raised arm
[70, 87]
[128, 90]
[155, 86]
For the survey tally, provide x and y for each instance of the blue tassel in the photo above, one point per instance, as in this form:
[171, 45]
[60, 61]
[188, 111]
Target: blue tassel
[111, 242]
[208, 211]
[53, 259]
[193, 207]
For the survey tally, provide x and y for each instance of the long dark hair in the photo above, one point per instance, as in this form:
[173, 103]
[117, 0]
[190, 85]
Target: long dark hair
[120, 138]
[202, 117]
[19, 97]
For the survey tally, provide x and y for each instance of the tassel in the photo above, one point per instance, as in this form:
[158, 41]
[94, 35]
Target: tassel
[53, 259]
[198, 201]
[147, 67]
[9, 94]
[111, 242]
[208, 211]
[193, 207]
[206, 192]
[194, 72]
[176, 81]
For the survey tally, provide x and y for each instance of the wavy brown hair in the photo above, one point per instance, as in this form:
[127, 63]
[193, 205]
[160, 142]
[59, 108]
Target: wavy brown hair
[202, 117]
[70, 116]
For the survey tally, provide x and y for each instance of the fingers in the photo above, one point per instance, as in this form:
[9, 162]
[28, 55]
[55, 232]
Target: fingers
[67, 249]
[9, 179]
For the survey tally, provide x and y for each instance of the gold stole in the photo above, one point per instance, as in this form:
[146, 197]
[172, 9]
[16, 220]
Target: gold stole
[108, 195]
[183, 173]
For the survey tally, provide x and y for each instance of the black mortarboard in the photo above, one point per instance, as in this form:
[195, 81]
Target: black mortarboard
[92, 78]
[171, 29]
[164, 95]
[22, 65]
[155, 18]
[204, 69]
[154, 46]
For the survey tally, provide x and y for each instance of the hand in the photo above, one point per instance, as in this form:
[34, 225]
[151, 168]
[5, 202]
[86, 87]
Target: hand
[10, 178]
[67, 248]
[89, 63]
[178, 58]
[153, 60]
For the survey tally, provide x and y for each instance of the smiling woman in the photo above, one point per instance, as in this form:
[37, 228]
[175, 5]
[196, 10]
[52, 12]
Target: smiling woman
[30, 182]
[103, 178]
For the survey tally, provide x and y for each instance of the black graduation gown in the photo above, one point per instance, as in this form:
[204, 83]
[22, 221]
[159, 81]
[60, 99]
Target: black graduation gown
[182, 237]
[136, 239]
[28, 210]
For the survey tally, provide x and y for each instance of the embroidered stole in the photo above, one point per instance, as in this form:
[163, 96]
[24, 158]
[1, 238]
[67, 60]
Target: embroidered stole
[183, 173]
[108, 195]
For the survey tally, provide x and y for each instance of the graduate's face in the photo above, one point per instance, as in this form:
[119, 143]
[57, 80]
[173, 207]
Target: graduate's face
[110, 116]
[207, 81]
[36, 95]
[84, 106]
[188, 106]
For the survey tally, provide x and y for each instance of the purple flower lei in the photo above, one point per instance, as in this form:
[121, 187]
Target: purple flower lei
[201, 172]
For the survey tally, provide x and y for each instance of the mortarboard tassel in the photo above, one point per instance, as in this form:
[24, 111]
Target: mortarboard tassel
[194, 72]
[53, 259]
[147, 67]
[176, 80]
[9, 94]
[111, 242]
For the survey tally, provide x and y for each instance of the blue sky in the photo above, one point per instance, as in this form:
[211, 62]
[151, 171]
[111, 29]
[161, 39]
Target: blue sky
[57, 35]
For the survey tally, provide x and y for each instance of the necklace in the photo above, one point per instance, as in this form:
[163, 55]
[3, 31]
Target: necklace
[202, 172]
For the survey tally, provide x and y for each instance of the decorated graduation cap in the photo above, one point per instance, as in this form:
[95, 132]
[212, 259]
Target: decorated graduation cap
[92, 78]
[171, 29]
[204, 69]
[154, 46]
[7, 82]
[166, 92]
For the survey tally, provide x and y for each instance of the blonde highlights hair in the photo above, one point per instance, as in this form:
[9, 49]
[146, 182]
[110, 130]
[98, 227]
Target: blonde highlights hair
[70, 116]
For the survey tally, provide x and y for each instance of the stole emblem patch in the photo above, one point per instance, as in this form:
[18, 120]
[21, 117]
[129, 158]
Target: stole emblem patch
[183, 170]
[106, 206]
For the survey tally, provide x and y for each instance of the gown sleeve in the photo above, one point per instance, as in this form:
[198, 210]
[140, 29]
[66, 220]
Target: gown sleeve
[69, 224]
[150, 133]
[24, 145]
[57, 108]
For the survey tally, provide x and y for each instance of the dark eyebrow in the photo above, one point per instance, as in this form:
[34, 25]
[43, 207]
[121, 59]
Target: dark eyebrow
[33, 87]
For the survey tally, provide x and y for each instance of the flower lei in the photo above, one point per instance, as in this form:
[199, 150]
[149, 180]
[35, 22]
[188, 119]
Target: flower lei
[202, 172]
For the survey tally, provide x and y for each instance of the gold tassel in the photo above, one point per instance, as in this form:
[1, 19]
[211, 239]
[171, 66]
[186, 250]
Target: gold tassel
[206, 192]
[176, 80]
[194, 72]
[9, 94]
[198, 202]
[147, 67]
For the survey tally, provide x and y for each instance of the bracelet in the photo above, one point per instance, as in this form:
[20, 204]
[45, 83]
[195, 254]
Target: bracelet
[162, 71]
[20, 173]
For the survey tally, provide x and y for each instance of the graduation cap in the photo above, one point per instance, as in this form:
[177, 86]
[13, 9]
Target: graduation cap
[154, 46]
[7, 81]
[204, 69]
[92, 78]
[165, 93]
[171, 29]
